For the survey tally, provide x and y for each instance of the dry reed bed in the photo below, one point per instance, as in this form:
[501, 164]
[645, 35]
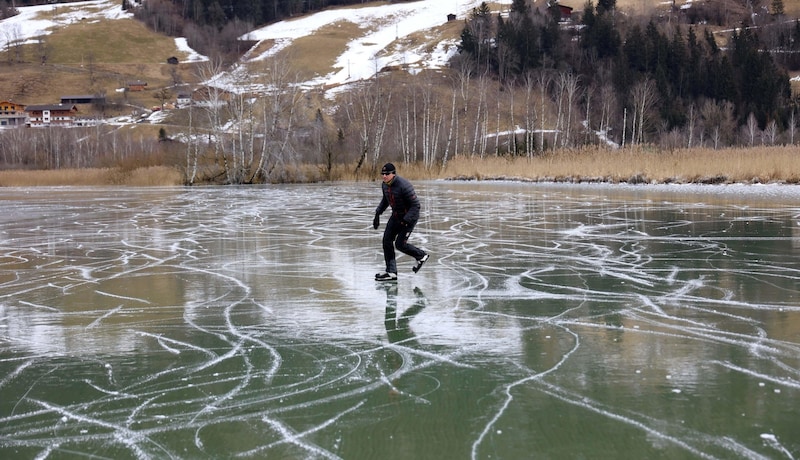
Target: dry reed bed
[736, 165]
[140, 177]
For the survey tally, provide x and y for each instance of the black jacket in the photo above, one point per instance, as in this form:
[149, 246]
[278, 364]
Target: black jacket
[400, 195]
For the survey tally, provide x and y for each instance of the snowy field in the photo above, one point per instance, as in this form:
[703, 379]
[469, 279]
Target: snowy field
[35, 22]
[569, 321]
[386, 28]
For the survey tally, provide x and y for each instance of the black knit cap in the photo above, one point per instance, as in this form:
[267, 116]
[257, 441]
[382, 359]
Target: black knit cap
[388, 168]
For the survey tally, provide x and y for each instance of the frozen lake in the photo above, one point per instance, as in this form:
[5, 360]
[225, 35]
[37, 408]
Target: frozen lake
[552, 321]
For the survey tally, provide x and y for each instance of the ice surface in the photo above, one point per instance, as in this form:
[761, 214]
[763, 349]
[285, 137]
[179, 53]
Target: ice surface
[566, 320]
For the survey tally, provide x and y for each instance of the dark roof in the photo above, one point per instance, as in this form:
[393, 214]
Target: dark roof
[83, 99]
[32, 108]
[83, 96]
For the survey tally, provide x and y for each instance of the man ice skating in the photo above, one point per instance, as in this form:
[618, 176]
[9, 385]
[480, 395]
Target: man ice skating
[399, 194]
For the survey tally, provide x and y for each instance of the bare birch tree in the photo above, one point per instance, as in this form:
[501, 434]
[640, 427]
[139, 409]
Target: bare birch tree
[190, 174]
[432, 118]
[751, 129]
[717, 119]
[498, 111]
[481, 113]
[691, 123]
[211, 100]
[644, 99]
[558, 97]
[770, 134]
[452, 132]
[528, 86]
[278, 106]
[367, 112]
[512, 126]
[608, 102]
[464, 78]
[240, 112]
[569, 84]
[15, 146]
[405, 122]
[543, 79]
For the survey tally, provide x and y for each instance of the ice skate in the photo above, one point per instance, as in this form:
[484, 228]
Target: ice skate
[420, 262]
[386, 276]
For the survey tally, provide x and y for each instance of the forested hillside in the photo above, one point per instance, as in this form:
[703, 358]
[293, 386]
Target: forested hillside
[671, 70]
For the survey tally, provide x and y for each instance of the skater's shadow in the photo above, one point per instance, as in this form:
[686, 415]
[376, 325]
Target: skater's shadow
[397, 355]
[398, 329]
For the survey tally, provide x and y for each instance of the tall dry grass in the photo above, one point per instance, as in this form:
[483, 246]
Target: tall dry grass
[139, 177]
[735, 165]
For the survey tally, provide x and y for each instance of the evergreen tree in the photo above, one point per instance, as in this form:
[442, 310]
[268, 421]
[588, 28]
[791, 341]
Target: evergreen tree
[216, 15]
[606, 6]
[720, 84]
[503, 56]
[589, 18]
[468, 44]
[475, 38]
[634, 51]
[599, 35]
[677, 63]
[695, 66]
[711, 42]
[481, 12]
[519, 7]
[655, 47]
[551, 38]
[523, 37]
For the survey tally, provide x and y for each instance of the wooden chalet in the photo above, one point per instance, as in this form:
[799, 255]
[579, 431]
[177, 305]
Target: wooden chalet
[137, 85]
[564, 12]
[12, 114]
[51, 115]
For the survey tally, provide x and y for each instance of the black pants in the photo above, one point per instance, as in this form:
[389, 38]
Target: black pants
[396, 236]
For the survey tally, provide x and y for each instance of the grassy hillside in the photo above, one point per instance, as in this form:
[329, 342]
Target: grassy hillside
[91, 57]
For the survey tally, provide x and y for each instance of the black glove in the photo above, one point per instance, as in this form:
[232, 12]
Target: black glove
[376, 221]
